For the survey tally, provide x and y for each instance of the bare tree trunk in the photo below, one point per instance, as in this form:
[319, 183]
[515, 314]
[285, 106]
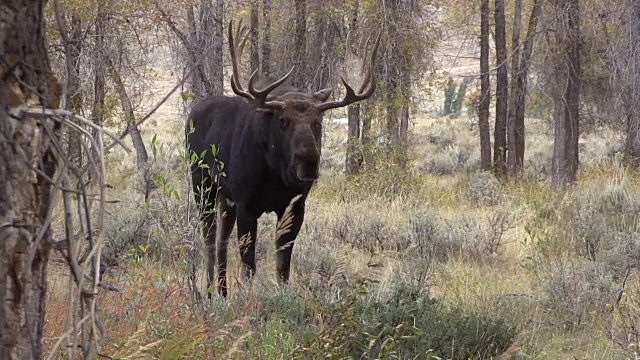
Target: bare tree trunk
[300, 46]
[366, 116]
[210, 24]
[502, 92]
[73, 97]
[572, 113]
[522, 80]
[255, 46]
[319, 55]
[203, 45]
[197, 82]
[392, 118]
[99, 82]
[392, 128]
[405, 93]
[217, 71]
[632, 100]
[485, 89]
[127, 108]
[514, 95]
[266, 39]
[392, 82]
[565, 152]
[354, 152]
[73, 93]
[197, 46]
[559, 141]
[24, 195]
[99, 76]
[72, 44]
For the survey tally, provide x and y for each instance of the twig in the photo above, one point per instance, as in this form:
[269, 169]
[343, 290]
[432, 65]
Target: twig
[624, 284]
[58, 115]
[64, 336]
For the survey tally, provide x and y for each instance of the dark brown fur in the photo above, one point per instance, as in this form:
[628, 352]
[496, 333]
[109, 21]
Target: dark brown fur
[269, 157]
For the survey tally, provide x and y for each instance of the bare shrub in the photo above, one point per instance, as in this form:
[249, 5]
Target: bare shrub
[537, 162]
[605, 220]
[573, 292]
[483, 188]
[469, 236]
[499, 223]
[127, 227]
[452, 159]
[385, 179]
[624, 317]
[425, 236]
[321, 275]
[472, 233]
[363, 231]
[442, 137]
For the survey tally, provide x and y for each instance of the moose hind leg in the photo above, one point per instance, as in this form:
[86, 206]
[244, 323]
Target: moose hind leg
[226, 218]
[210, 226]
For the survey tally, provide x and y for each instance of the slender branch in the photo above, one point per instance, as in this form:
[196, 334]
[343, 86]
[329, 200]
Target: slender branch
[152, 111]
[59, 115]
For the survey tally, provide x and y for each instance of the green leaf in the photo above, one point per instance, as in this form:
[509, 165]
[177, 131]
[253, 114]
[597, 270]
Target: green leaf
[187, 95]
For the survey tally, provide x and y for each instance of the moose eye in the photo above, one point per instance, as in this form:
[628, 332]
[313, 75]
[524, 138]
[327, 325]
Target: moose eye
[283, 123]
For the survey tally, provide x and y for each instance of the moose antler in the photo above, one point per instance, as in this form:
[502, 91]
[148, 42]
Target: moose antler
[257, 97]
[368, 85]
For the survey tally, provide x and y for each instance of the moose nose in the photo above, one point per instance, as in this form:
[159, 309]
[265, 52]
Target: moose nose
[306, 165]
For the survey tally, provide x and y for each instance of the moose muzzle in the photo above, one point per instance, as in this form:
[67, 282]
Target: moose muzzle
[307, 166]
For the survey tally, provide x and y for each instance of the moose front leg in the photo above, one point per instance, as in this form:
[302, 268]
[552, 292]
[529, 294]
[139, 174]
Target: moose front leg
[286, 234]
[247, 226]
[225, 217]
[206, 201]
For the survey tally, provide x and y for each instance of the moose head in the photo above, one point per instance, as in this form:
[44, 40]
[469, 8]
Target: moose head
[296, 135]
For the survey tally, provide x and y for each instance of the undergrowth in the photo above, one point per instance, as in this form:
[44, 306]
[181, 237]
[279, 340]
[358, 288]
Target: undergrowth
[389, 264]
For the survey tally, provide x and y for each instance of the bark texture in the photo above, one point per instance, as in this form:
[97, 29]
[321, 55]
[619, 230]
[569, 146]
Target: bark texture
[255, 46]
[266, 38]
[521, 85]
[514, 95]
[632, 98]
[300, 44]
[502, 92]
[485, 89]
[24, 194]
[354, 157]
[565, 147]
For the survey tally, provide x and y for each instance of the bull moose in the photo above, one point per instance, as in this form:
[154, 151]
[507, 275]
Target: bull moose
[268, 141]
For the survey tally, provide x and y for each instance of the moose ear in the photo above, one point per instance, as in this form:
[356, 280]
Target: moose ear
[322, 95]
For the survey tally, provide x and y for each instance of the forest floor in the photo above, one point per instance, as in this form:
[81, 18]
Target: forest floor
[441, 260]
